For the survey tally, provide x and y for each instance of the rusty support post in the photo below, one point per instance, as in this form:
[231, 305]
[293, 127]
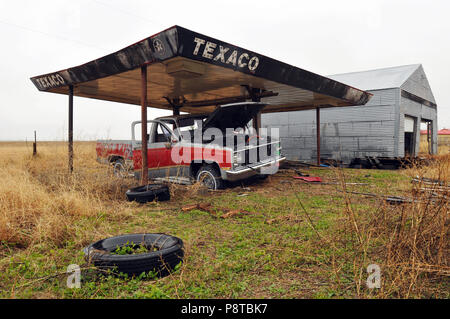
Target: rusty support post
[257, 122]
[254, 93]
[70, 128]
[144, 174]
[318, 134]
[430, 151]
[257, 127]
[34, 145]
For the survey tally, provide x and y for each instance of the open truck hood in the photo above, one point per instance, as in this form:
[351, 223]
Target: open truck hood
[233, 115]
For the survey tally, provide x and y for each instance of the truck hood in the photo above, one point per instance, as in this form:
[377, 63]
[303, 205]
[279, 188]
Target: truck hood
[232, 115]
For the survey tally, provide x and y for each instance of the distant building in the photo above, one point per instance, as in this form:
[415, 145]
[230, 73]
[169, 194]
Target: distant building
[443, 136]
[387, 126]
[444, 131]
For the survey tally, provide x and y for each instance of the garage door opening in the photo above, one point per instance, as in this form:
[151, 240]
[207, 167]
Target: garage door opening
[410, 133]
[425, 137]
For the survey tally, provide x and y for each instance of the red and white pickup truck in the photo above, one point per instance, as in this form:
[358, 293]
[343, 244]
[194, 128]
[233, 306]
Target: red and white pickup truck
[210, 148]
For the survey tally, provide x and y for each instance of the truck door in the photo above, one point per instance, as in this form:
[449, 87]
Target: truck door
[160, 161]
[156, 147]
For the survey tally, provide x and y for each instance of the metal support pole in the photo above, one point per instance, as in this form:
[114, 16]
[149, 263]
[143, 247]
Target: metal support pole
[318, 134]
[254, 92]
[144, 174]
[429, 138]
[70, 128]
[34, 145]
[176, 106]
[257, 127]
[257, 122]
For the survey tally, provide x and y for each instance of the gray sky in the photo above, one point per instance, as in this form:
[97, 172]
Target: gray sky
[325, 37]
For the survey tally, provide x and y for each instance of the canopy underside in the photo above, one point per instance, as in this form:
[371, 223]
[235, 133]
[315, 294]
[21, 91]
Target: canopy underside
[216, 83]
[194, 73]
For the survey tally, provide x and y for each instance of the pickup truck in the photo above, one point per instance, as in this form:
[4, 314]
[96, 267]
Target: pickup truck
[208, 148]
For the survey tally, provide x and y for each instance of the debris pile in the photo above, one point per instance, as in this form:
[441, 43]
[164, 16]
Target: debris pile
[435, 188]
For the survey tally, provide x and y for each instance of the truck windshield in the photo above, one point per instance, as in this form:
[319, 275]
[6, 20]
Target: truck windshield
[184, 124]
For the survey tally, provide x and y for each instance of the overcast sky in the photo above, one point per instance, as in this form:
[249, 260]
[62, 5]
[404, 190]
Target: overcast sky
[325, 37]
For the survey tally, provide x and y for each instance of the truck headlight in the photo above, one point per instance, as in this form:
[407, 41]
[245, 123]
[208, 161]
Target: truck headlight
[279, 148]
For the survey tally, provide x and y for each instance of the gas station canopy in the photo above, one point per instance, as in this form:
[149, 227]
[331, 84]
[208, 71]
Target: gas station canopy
[193, 73]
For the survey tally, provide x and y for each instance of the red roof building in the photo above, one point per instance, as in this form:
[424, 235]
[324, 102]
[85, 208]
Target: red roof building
[444, 131]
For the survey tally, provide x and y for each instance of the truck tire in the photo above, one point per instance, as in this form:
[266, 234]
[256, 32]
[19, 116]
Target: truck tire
[148, 193]
[167, 255]
[210, 177]
[119, 169]
[262, 177]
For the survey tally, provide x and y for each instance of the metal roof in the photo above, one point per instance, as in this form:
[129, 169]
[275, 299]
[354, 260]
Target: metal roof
[386, 78]
[198, 72]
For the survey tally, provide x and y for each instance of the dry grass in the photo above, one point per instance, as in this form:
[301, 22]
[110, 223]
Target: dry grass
[410, 242]
[443, 149]
[443, 145]
[39, 200]
[313, 240]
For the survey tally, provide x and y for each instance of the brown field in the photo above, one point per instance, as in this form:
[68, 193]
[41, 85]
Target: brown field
[39, 200]
[302, 240]
[443, 144]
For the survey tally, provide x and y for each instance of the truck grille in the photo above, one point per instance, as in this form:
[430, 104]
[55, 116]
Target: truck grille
[254, 154]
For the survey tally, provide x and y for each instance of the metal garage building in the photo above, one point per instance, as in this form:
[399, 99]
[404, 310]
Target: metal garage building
[387, 126]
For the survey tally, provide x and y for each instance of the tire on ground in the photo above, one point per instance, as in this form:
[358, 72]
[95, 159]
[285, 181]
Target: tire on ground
[148, 193]
[210, 177]
[163, 261]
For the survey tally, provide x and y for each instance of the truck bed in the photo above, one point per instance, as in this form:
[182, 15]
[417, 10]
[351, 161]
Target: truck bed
[110, 150]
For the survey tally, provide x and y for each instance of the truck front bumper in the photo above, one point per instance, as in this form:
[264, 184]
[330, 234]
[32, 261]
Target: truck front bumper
[265, 168]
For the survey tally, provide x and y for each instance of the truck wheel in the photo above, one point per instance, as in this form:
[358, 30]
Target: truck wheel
[164, 253]
[119, 169]
[148, 193]
[210, 177]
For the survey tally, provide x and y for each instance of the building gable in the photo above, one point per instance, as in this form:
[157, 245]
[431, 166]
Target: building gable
[418, 85]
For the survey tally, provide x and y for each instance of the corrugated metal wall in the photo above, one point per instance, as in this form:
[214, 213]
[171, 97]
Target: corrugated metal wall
[346, 133]
[375, 129]
[418, 84]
